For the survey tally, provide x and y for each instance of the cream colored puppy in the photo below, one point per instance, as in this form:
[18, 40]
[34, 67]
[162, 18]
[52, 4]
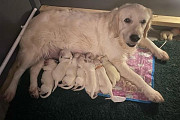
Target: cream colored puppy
[105, 85]
[35, 70]
[91, 81]
[59, 72]
[47, 79]
[111, 71]
[69, 79]
[81, 75]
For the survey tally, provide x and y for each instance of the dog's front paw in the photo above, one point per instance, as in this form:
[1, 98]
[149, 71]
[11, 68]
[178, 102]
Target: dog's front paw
[154, 96]
[162, 55]
[9, 93]
[34, 91]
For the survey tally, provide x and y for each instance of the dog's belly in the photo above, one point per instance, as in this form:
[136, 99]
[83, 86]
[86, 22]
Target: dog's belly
[47, 34]
[52, 51]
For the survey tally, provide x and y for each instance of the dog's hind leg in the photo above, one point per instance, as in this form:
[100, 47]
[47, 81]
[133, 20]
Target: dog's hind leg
[34, 72]
[24, 60]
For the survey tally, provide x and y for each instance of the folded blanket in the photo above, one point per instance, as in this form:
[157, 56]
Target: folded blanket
[142, 62]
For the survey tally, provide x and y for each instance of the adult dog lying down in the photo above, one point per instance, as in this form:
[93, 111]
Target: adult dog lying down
[114, 34]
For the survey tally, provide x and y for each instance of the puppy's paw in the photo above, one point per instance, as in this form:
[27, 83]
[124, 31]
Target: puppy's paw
[34, 91]
[155, 96]
[162, 55]
[9, 93]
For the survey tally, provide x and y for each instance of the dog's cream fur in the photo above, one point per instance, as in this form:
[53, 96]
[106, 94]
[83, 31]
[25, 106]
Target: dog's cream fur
[111, 71]
[81, 75]
[69, 79]
[47, 80]
[91, 84]
[34, 72]
[104, 82]
[99, 33]
[59, 72]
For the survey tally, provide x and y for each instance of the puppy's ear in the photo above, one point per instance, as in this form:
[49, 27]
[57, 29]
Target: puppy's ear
[114, 23]
[148, 25]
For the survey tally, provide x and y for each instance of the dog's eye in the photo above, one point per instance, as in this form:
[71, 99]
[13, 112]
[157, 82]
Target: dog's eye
[143, 21]
[127, 20]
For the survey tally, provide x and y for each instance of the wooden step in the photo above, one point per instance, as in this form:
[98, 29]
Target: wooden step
[158, 20]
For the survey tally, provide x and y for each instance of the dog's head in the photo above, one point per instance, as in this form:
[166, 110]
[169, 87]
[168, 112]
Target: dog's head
[130, 23]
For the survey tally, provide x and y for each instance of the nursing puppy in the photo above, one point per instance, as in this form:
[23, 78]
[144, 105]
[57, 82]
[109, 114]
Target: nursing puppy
[81, 75]
[47, 80]
[104, 82]
[91, 83]
[111, 71]
[59, 72]
[69, 79]
[36, 68]
[114, 34]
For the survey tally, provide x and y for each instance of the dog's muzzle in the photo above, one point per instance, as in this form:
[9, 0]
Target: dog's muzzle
[134, 39]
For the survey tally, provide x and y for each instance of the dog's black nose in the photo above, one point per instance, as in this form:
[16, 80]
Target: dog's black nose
[134, 38]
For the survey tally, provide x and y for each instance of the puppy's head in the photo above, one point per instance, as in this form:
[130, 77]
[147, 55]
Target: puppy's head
[104, 59]
[76, 55]
[89, 57]
[130, 23]
[65, 54]
[81, 60]
[49, 64]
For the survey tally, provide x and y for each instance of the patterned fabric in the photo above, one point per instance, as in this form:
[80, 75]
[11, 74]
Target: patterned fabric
[142, 62]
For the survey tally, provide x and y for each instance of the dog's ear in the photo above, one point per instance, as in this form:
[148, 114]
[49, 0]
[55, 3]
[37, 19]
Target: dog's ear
[148, 25]
[114, 23]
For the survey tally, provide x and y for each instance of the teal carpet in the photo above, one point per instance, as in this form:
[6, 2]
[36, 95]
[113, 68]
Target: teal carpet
[69, 105]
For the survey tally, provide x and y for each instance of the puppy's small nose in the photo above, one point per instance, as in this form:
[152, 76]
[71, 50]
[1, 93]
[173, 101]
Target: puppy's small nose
[134, 38]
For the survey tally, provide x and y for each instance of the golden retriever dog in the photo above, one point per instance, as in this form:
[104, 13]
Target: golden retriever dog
[114, 34]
